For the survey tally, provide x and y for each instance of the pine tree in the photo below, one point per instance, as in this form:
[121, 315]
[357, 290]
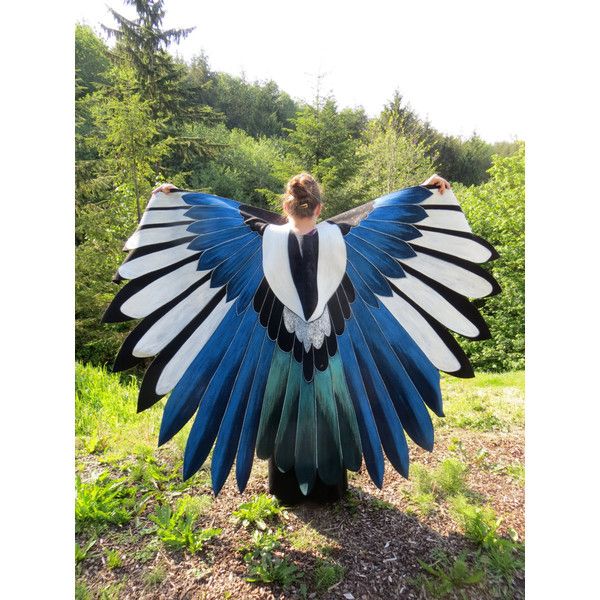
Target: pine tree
[142, 43]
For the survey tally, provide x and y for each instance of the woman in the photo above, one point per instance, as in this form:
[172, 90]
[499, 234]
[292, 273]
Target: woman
[302, 206]
[317, 346]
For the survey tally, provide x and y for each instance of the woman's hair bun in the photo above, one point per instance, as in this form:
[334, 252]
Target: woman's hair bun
[302, 195]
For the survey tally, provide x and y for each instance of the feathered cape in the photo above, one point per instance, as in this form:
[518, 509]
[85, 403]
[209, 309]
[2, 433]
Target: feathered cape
[317, 352]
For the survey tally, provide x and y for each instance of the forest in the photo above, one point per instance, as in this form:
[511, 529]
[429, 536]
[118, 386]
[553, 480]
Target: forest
[146, 116]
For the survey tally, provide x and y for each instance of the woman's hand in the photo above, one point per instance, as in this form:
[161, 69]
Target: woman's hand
[439, 181]
[165, 188]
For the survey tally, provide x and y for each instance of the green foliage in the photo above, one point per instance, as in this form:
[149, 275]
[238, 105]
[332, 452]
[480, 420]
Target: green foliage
[242, 167]
[178, 528]
[322, 143]
[260, 509]
[102, 502]
[326, 574]
[447, 479]
[273, 569]
[260, 109]
[388, 161]
[496, 211]
[91, 60]
[81, 591]
[155, 576]
[479, 523]
[102, 398]
[484, 403]
[81, 552]
[379, 504]
[114, 559]
[142, 46]
[446, 575]
[264, 566]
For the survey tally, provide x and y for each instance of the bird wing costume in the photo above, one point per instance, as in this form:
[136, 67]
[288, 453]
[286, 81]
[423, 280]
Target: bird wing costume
[316, 350]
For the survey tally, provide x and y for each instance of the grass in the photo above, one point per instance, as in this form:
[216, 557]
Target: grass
[155, 576]
[447, 479]
[139, 511]
[327, 574]
[447, 575]
[487, 402]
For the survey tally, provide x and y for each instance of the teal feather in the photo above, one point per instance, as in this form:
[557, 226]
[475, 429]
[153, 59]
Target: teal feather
[306, 438]
[286, 433]
[329, 448]
[272, 403]
[348, 425]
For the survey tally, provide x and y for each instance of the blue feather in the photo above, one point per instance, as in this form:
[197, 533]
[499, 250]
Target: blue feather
[229, 432]
[393, 246]
[349, 432]
[402, 231]
[305, 459]
[401, 213]
[419, 368]
[211, 212]
[380, 259]
[217, 254]
[208, 240]
[374, 280]
[329, 447]
[210, 412]
[371, 444]
[409, 405]
[210, 225]
[411, 195]
[386, 417]
[245, 454]
[236, 263]
[360, 286]
[185, 397]
[286, 431]
[246, 285]
[272, 403]
[200, 198]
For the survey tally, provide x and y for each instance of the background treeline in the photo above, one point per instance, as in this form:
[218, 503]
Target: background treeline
[144, 116]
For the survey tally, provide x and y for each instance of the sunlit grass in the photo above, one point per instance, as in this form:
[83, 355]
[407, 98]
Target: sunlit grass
[487, 402]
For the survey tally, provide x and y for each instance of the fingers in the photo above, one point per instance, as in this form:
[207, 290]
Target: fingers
[165, 188]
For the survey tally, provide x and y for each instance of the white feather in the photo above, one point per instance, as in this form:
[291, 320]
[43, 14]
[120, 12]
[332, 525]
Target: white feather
[435, 305]
[456, 278]
[162, 200]
[161, 291]
[157, 217]
[177, 366]
[145, 237]
[170, 324]
[456, 246]
[154, 261]
[422, 333]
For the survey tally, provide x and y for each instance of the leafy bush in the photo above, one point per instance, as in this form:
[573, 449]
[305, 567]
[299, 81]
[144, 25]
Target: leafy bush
[257, 511]
[496, 211]
[177, 529]
[103, 502]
